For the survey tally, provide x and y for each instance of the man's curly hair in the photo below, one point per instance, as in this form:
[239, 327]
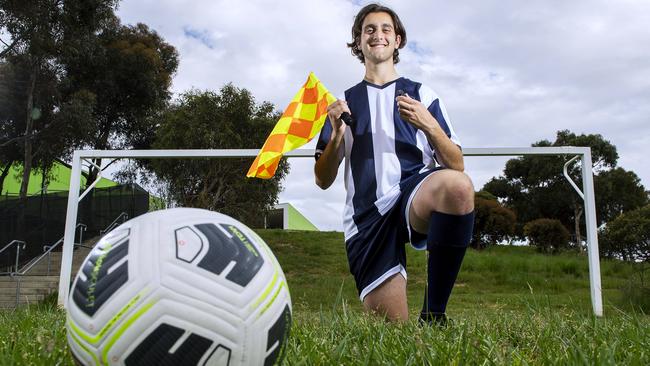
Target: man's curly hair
[358, 22]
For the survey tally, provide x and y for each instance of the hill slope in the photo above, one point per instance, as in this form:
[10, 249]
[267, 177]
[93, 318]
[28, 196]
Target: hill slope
[501, 277]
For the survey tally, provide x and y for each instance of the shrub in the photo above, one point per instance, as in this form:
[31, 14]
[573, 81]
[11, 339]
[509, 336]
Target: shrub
[492, 223]
[548, 235]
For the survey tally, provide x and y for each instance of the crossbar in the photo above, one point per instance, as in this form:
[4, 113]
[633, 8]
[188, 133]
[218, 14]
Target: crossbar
[583, 152]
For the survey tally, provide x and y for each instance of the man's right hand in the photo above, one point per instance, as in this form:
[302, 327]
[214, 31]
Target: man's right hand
[334, 112]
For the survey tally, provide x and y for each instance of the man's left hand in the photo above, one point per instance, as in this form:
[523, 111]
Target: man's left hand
[414, 112]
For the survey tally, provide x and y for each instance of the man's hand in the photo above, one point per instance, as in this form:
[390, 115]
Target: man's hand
[415, 113]
[334, 112]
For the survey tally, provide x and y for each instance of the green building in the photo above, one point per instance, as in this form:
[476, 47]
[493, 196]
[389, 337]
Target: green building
[59, 180]
[285, 216]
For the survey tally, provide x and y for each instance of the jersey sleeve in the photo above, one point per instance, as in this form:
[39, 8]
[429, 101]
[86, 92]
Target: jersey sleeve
[437, 109]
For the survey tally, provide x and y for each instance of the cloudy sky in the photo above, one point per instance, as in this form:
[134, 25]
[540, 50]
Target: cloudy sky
[510, 72]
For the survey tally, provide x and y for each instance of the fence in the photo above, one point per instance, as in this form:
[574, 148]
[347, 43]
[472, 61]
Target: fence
[44, 216]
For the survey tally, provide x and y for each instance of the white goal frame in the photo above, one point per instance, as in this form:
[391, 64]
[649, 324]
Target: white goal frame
[578, 152]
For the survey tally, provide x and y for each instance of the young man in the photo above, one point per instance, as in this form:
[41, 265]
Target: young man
[403, 175]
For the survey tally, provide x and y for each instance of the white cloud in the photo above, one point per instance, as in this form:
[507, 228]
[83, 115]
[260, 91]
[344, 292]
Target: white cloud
[510, 72]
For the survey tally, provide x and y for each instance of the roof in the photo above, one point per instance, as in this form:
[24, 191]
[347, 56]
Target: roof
[59, 181]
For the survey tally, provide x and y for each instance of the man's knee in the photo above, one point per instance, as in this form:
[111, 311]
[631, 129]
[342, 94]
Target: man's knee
[461, 189]
[457, 192]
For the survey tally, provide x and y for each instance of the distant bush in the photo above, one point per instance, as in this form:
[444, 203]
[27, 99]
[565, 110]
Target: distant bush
[548, 235]
[627, 237]
[493, 223]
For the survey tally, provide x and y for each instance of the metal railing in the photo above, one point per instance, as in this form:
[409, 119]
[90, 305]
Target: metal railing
[19, 244]
[120, 219]
[47, 250]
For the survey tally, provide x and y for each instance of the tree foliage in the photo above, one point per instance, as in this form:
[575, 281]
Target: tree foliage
[229, 119]
[41, 123]
[493, 223]
[534, 186]
[81, 78]
[628, 236]
[618, 191]
[128, 70]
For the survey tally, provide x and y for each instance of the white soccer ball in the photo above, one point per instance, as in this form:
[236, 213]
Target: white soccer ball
[179, 287]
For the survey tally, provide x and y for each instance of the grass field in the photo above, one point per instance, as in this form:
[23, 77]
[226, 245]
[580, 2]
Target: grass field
[510, 305]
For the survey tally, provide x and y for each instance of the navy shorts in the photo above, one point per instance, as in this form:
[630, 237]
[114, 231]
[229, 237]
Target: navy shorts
[377, 251]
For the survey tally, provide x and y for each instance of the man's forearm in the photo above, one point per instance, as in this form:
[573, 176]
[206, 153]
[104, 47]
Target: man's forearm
[327, 165]
[447, 152]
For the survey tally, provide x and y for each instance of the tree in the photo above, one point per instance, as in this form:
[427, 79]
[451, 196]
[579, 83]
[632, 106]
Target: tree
[228, 120]
[40, 31]
[628, 236]
[493, 223]
[618, 191]
[128, 70]
[9, 112]
[534, 186]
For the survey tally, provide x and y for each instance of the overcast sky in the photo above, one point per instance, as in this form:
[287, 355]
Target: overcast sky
[510, 72]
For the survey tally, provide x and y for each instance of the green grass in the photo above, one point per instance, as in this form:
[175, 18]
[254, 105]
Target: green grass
[511, 305]
[34, 335]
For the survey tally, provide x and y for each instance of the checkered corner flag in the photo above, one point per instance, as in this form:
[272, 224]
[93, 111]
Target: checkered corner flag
[300, 122]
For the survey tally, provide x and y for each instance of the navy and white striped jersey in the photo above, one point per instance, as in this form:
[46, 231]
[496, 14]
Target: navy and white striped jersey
[380, 149]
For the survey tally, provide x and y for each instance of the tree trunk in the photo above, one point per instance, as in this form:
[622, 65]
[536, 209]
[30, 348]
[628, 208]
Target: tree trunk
[29, 124]
[9, 48]
[5, 172]
[27, 164]
[102, 144]
[93, 172]
[577, 214]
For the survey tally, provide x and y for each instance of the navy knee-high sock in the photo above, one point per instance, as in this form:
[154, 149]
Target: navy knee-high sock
[447, 241]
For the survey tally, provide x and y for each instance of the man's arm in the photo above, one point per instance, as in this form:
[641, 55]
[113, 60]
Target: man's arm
[327, 165]
[447, 152]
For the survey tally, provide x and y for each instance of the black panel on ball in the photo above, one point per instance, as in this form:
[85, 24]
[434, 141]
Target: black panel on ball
[154, 350]
[91, 294]
[223, 249]
[279, 333]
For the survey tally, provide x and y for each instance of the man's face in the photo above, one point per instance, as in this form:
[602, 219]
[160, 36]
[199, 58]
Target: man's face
[378, 39]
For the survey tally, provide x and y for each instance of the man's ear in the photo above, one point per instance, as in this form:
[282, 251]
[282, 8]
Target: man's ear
[398, 41]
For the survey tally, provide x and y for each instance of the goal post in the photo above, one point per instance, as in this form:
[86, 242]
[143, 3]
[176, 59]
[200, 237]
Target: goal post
[584, 153]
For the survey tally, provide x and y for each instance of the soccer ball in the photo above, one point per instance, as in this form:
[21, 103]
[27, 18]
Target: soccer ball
[179, 287]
